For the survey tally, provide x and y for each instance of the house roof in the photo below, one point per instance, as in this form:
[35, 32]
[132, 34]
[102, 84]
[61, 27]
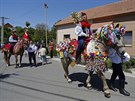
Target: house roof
[8, 25]
[121, 7]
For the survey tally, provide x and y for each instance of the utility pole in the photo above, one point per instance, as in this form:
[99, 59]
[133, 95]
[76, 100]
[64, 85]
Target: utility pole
[2, 29]
[46, 6]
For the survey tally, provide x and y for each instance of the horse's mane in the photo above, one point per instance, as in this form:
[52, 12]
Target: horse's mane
[108, 33]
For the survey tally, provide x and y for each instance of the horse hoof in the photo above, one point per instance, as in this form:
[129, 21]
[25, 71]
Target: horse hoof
[16, 67]
[8, 65]
[69, 80]
[89, 86]
[107, 95]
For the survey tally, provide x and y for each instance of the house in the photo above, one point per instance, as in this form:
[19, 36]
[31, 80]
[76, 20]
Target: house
[8, 25]
[119, 12]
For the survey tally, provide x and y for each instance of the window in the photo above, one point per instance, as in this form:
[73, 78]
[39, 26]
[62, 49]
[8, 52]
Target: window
[128, 38]
[67, 36]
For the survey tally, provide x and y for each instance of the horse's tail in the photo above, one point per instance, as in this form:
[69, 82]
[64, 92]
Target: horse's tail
[6, 48]
[5, 57]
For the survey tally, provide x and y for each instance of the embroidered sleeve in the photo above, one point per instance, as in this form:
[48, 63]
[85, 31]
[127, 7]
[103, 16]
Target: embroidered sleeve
[79, 31]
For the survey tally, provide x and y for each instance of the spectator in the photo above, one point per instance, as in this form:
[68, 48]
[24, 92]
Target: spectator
[117, 61]
[32, 50]
[42, 53]
[51, 45]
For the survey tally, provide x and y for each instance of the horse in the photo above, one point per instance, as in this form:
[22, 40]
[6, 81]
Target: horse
[18, 49]
[109, 37]
[69, 60]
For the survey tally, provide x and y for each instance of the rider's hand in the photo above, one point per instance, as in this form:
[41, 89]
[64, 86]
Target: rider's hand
[86, 35]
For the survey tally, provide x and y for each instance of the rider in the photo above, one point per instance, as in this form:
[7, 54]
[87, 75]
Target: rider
[83, 31]
[13, 39]
[26, 36]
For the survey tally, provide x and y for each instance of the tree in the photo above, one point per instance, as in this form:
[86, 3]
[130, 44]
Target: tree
[20, 31]
[27, 24]
[52, 34]
[39, 34]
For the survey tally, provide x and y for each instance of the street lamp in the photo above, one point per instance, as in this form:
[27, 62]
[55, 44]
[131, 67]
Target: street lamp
[46, 6]
[2, 29]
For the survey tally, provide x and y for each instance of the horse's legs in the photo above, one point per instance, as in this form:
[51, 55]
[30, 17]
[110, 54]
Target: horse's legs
[88, 85]
[8, 59]
[16, 60]
[20, 60]
[65, 64]
[105, 86]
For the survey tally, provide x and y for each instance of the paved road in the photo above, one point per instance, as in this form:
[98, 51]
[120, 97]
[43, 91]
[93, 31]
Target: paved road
[47, 83]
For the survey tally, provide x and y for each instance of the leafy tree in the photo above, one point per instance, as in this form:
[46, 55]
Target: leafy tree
[27, 24]
[52, 34]
[20, 31]
[7, 33]
[39, 34]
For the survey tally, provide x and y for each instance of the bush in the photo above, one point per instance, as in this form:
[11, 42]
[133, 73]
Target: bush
[127, 66]
[55, 53]
[130, 64]
[109, 64]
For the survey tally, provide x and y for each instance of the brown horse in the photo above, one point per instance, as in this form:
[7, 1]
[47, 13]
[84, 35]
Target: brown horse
[105, 37]
[101, 47]
[18, 49]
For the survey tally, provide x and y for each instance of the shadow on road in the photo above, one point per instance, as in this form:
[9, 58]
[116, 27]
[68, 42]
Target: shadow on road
[4, 76]
[81, 77]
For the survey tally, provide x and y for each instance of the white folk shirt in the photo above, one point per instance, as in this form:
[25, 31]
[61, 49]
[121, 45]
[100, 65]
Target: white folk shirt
[11, 39]
[32, 48]
[79, 31]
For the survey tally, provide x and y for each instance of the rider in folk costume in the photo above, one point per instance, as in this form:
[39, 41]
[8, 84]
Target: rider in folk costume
[83, 31]
[13, 39]
[26, 36]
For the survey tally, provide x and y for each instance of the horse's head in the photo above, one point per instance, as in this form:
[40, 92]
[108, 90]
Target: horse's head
[25, 43]
[112, 36]
[119, 45]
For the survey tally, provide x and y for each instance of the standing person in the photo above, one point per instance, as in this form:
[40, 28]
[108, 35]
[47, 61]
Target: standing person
[32, 50]
[51, 46]
[83, 31]
[13, 40]
[38, 45]
[42, 52]
[118, 71]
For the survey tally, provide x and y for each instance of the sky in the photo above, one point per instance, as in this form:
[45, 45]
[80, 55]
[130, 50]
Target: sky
[33, 11]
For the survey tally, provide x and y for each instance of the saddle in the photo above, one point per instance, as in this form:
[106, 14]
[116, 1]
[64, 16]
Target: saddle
[8, 47]
[74, 43]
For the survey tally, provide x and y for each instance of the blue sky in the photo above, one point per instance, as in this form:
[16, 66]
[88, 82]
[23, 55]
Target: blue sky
[20, 11]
